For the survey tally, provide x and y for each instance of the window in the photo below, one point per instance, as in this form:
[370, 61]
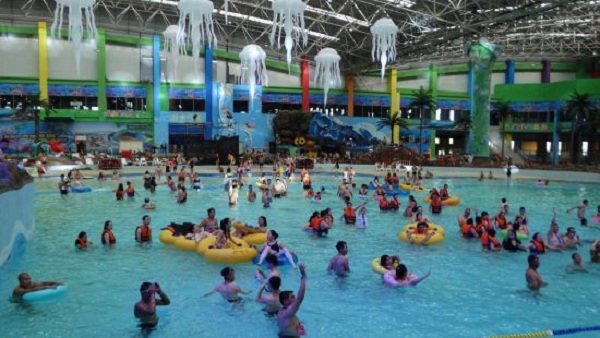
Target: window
[125, 103]
[73, 102]
[451, 140]
[187, 105]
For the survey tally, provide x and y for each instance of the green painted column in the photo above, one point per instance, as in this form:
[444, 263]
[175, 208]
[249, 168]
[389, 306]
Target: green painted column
[481, 61]
[433, 83]
[582, 71]
[101, 68]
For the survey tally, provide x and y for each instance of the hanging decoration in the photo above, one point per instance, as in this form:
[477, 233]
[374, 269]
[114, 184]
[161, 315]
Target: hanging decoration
[252, 66]
[199, 24]
[327, 73]
[172, 50]
[79, 11]
[289, 14]
[384, 42]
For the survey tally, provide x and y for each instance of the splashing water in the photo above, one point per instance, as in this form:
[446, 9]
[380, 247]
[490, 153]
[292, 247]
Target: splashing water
[328, 70]
[76, 18]
[384, 42]
[200, 26]
[173, 50]
[289, 14]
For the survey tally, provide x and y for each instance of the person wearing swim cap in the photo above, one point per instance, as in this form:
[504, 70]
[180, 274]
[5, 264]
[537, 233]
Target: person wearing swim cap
[26, 285]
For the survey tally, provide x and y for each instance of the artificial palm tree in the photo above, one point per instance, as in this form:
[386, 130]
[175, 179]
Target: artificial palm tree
[465, 123]
[392, 120]
[422, 99]
[578, 108]
[504, 109]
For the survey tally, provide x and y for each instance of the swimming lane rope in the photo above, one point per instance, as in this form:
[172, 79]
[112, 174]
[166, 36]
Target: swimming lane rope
[550, 333]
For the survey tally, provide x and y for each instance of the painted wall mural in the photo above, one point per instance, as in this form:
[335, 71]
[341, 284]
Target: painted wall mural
[57, 137]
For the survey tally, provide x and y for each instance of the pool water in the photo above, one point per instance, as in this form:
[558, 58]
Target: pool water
[469, 293]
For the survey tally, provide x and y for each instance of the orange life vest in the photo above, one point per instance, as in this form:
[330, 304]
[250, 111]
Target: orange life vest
[130, 191]
[486, 240]
[315, 223]
[436, 206]
[111, 237]
[81, 242]
[538, 247]
[466, 230]
[444, 194]
[501, 222]
[350, 215]
[145, 233]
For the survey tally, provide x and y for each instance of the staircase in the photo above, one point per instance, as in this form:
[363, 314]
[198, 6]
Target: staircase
[496, 147]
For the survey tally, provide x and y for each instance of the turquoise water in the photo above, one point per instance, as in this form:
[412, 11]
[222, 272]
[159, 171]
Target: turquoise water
[469, 293]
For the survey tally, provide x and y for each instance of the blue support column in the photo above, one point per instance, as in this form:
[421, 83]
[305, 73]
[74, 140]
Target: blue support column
[509, 75]
[161, 123]
[211, 109]
[555, 139]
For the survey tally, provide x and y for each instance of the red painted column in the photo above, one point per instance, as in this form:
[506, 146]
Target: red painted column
[350, 83]
[305, 83]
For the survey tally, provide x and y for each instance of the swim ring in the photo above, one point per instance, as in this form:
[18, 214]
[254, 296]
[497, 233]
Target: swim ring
[520, 236]
[202, 247]
[408, 187]
[281, 260]
[452, 200]
[596, 219]
[166, 237]
[513, 169]
[438, 234]
[185, 244]
[45, 294]
[377, 267]
[230, 255]
[81, 189]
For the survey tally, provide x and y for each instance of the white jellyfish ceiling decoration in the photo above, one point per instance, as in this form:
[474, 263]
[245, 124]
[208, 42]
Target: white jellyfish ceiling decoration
[327, 73]
[289, 15]
[384, 42]
[79, 11]
[199, 24]
[252, 66]
[172, 50]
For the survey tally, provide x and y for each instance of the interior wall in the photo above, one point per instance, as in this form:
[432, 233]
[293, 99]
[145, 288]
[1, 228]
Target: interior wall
[371, 84]
[123, 63]
[528, 77]
[18, 57]
[188, 71]
[559, 77]
[415, 83]
[453, 82]
[61, 61]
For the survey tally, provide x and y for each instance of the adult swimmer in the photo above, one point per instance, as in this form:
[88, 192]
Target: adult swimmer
[272, 246]
[576, 264]
[26, 285]
[287, 322]
[145, 309]
[339, 263]
[270, 299]
[229, 290]
[532, 276]
[401, 278]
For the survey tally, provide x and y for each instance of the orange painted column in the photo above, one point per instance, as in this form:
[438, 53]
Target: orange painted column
[350, 83]
[305, 83]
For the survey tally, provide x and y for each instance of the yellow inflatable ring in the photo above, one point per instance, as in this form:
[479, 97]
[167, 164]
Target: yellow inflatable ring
[239, 225]
[438, 235]
[300, 141]
[432, 226]
[202, 247]
[166, 237]
[185, 244]
[376, 266]
[452, 200]
[408, 187]
[256, 238]
[230, 255]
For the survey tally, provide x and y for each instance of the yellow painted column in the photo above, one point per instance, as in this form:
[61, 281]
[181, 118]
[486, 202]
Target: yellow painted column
[394, 100]
[43, 59]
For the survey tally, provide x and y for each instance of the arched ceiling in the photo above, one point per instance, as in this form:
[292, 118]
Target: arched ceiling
[429, 30]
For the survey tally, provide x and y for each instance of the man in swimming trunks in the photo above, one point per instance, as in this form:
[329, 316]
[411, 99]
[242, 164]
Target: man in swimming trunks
[288, 323]
[576, 265]
[595, 251]
[228, 289]
[251, 194]
[532, 276]
[271, 299]
[145, 309]
[571, 239]
[462, 219]
[27, 285]
[143, 233]
[339, 263]
[210, 224]
[580, 212]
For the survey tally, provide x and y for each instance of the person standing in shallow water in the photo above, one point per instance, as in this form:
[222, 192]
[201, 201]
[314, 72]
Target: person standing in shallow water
[288, 323]
[145, 309]
[532, 276]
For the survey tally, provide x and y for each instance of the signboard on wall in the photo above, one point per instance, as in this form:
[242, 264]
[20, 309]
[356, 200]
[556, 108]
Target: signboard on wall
[532, 127]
